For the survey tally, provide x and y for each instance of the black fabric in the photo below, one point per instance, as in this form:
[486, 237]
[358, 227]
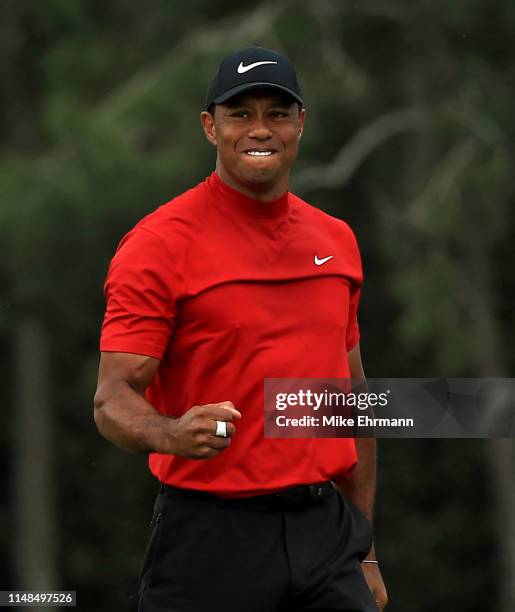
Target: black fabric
[208, 553]
[251, 68]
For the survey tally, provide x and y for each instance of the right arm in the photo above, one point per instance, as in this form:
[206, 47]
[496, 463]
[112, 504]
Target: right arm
[123, 415]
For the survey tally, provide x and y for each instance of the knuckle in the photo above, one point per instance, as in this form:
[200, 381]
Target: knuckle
[199, 410]
[196, 429]
[205, 426]
[200, 428]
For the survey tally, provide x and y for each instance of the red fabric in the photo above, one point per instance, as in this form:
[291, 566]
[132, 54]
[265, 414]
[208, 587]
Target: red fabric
[224, 291]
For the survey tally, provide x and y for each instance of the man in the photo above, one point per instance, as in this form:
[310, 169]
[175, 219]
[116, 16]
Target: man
[232, 282]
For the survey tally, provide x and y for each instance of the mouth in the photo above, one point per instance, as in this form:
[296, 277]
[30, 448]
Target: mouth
[259, 152]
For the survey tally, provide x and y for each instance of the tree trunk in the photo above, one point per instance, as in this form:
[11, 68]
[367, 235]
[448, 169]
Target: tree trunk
[501, 461]
[500, 453]
[33, 500]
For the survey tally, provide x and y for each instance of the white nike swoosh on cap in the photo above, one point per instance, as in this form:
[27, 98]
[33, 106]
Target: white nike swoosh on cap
[319, 262]
[242, 69]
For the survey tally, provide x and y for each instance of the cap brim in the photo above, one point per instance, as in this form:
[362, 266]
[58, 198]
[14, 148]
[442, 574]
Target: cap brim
[256, 85]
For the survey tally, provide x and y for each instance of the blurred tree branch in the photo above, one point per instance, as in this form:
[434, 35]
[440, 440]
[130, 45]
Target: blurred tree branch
[340, 170]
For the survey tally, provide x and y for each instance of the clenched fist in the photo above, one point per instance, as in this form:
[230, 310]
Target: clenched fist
[193, 434]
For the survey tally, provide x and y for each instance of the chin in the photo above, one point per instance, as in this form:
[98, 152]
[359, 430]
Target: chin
[261, 175]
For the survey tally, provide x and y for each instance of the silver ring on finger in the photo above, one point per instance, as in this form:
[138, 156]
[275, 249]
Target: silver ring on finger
[221, 429]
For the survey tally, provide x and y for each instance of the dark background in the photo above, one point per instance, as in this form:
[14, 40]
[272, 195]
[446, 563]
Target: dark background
[409, 138]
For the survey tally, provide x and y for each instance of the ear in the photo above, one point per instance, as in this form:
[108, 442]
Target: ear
[208, 125]
[302, 119]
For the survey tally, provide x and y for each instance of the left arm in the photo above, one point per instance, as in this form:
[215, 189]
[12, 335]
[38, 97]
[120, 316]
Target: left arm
[360, 487]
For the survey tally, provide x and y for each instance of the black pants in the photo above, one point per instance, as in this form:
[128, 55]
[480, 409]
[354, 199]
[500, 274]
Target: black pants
[208, 554]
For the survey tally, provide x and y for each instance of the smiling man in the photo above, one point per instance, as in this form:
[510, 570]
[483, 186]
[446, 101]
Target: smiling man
[232, 282]
[256, 162]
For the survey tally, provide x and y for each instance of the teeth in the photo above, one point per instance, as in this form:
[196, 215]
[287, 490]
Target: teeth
[259, 153]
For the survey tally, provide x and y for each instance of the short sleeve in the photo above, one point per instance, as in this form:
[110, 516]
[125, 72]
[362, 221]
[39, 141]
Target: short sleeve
[355, 279]
[140, 307]
[352, 337]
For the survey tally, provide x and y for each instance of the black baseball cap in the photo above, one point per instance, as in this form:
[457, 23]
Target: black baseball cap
[253, 68]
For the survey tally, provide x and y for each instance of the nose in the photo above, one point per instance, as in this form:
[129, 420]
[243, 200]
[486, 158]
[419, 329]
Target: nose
[260, 129]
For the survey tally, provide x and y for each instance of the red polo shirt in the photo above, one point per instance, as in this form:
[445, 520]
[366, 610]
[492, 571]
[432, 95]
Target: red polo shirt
[226, 291]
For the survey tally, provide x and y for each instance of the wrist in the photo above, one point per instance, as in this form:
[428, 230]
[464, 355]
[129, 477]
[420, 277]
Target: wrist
[169, 441]
[371, 558]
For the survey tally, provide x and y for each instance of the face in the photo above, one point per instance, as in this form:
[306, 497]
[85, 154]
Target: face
[257, 138]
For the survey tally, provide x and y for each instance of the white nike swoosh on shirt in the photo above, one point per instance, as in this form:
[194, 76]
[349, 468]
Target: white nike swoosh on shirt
[242, 69]
[319, 262]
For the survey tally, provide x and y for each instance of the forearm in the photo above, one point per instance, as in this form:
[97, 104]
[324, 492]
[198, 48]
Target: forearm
[360, 487]
[126, 419]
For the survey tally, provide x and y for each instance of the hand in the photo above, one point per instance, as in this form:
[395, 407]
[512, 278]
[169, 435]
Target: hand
[375, 583]
[193, 434]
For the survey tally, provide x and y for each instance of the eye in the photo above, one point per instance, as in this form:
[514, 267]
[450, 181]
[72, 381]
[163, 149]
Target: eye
[279, 114]
[239, 114]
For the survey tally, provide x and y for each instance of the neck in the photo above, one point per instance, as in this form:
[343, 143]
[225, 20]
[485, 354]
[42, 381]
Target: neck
[263, 192]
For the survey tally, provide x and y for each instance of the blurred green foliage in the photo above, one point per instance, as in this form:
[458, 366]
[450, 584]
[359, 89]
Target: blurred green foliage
[99, 125]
